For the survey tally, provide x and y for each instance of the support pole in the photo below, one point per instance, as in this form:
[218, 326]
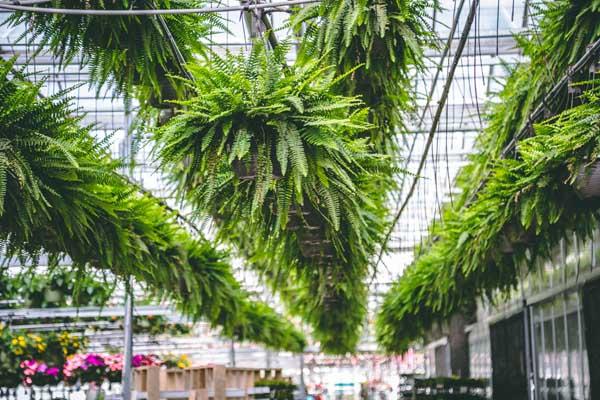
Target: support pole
[128, 342]
[302, 386]
[129, 299]
[232, 353]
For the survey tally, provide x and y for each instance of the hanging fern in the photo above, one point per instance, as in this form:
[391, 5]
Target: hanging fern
[565, 29]
[526, 197]
[387, 36]
[272, 154]
[60, 194]
[531, 196]
[132, 54]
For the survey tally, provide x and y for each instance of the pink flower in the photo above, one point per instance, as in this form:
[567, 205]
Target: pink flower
[114, 362]
[53, 371]
[94, 360]
[74, 363]
[29, 367]
[137, 360]
[32, 364]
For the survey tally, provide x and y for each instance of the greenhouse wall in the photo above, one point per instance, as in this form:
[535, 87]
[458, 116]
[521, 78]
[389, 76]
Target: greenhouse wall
[547, 329]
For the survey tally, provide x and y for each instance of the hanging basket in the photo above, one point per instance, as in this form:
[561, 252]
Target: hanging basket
[164, 116]
[587, 182]
[319, 250]
[167, 92]
[306, 218]
[297, 219]
[515, 235]
[247, 170]
[314, 244]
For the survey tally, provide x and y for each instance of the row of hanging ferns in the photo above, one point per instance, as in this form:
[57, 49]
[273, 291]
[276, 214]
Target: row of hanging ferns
[512, 210]
[293, 162]
[61, 195]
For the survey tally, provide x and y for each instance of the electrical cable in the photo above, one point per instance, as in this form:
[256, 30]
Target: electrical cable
[440, 108]
[135, 12]
[27, 2]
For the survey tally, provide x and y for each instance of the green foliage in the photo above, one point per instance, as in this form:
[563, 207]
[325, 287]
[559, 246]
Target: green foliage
[333, 301]
[565, 29]
[527, 203]
[59, 287]
[60, 194]
[315, 181]
[387, 37]
[17, 346]
[281, 389]
[156, 325]
[306, 175]
[126, 52]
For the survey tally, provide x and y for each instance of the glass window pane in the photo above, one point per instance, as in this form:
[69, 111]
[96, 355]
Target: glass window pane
[562, 363]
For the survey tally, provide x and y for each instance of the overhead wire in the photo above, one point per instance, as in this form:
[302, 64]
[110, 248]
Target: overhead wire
[436, 119]
[426, 108]
[136, 12]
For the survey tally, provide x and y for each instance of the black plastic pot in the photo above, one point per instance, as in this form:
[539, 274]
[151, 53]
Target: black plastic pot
[513, 235]
[587, 183]
[167, 92]
[313, 243]
[248, 169]
[299, 219]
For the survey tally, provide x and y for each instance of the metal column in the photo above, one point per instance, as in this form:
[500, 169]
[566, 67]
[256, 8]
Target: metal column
[232, 353]
[128, 343]
[129, 299]
[302, 386]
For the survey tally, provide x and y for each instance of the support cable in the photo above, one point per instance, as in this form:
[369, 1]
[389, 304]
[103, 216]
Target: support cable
[435, 79]
[435, 122]
[134, 12]
[174, 47]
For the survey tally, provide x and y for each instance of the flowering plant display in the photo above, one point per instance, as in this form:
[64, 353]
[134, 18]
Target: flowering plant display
[39, 373]
[50, 358]
[31, 345]
[70, 344]
[114, 367]
[145, 360]
[172, 361]
[9, 372]
[19, 351]
[85, 368]
[96, 367]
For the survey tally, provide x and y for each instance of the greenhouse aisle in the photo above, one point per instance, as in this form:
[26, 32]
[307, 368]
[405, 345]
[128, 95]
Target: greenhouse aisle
[305, 199]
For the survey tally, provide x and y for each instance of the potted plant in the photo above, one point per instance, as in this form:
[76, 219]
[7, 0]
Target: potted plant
[38, 373]
[173, 361]
[114, 367]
